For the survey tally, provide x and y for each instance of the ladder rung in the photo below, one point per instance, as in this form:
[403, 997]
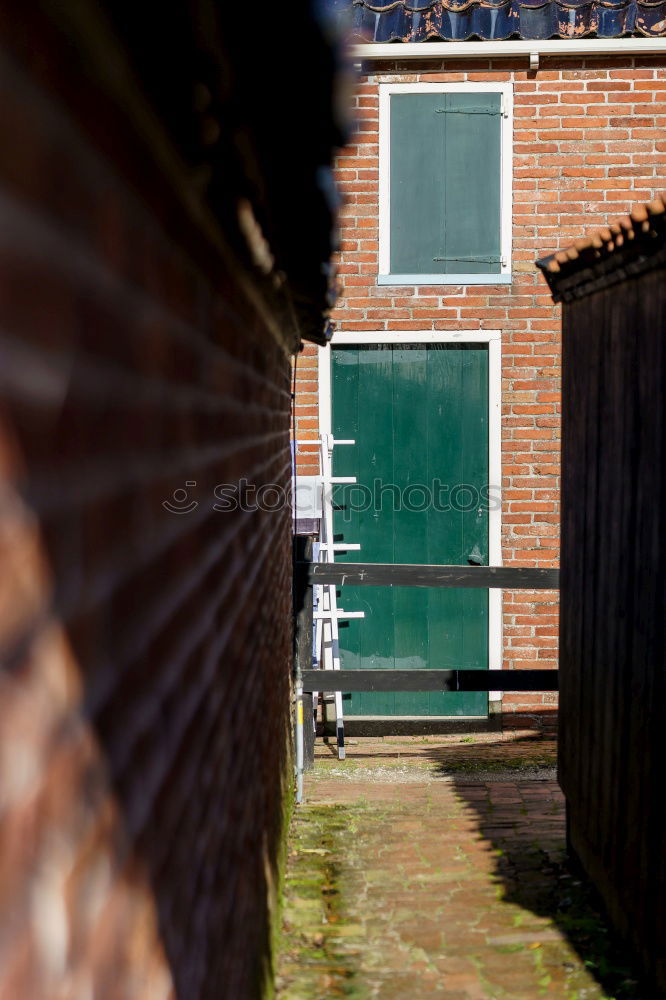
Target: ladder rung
[340, 613]
[341, 546]
[339, 479]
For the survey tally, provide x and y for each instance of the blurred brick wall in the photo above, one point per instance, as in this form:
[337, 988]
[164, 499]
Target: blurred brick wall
[589, 143]
[144, 692]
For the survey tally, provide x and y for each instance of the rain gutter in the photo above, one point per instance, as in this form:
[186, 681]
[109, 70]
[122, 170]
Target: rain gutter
[510, 48]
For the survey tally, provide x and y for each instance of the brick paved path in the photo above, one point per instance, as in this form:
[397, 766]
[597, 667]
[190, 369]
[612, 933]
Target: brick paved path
[436, 868]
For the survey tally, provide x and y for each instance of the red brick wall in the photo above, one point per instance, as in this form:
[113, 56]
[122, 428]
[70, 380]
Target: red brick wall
[589, 142]
[144, 693]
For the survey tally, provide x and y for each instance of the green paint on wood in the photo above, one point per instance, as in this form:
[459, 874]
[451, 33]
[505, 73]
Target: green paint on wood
[419, 415]
[445, 183]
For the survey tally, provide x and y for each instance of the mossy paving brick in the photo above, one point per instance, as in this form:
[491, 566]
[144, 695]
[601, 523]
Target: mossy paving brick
[430, 872]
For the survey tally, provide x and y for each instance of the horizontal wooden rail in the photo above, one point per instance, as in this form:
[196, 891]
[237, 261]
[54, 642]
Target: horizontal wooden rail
[407, 575]
[430, 680]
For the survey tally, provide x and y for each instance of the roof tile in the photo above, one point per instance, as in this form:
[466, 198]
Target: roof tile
[459, 20]
[622, 248]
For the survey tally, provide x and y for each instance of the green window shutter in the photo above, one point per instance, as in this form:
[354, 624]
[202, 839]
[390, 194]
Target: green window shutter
[445, 183]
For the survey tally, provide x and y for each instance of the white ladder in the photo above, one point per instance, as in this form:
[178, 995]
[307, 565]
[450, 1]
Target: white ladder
[327, 613]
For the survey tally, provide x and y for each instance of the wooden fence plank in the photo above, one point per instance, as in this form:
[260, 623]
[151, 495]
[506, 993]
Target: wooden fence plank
[430, 680]
[407, 575]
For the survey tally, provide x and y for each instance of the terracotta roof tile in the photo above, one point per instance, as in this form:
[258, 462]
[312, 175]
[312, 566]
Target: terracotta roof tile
[633, 243]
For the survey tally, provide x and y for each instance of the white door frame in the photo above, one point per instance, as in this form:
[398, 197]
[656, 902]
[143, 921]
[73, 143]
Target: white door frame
[493, 338]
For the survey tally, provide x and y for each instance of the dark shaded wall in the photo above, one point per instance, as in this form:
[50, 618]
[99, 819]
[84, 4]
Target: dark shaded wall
[613, 653]
[144, 690]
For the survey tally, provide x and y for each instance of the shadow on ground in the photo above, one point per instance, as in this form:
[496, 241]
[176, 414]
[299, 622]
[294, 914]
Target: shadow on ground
[533, 869]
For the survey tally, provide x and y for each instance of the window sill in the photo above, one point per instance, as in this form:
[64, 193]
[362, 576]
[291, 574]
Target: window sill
[444, 279]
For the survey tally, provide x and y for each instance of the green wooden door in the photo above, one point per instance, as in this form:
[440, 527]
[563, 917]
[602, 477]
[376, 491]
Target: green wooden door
[419, 415]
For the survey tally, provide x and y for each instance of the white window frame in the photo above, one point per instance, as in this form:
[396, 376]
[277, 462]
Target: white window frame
[386, 90]
[493, 338]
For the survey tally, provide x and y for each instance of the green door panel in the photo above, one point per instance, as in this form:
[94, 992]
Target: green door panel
[445, 163]
[419, 416]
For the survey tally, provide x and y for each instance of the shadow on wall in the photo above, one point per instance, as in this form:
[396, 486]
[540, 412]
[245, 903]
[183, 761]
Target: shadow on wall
[543, 723]
[154, 279]
[532, 869]
[146, 653]
[540, 721]
[144, 694]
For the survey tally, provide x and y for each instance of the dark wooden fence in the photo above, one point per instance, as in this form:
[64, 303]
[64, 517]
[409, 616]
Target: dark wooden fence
[406, 575]
[613, 594]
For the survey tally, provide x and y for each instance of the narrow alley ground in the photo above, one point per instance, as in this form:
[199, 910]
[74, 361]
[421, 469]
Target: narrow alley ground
[436, 867]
